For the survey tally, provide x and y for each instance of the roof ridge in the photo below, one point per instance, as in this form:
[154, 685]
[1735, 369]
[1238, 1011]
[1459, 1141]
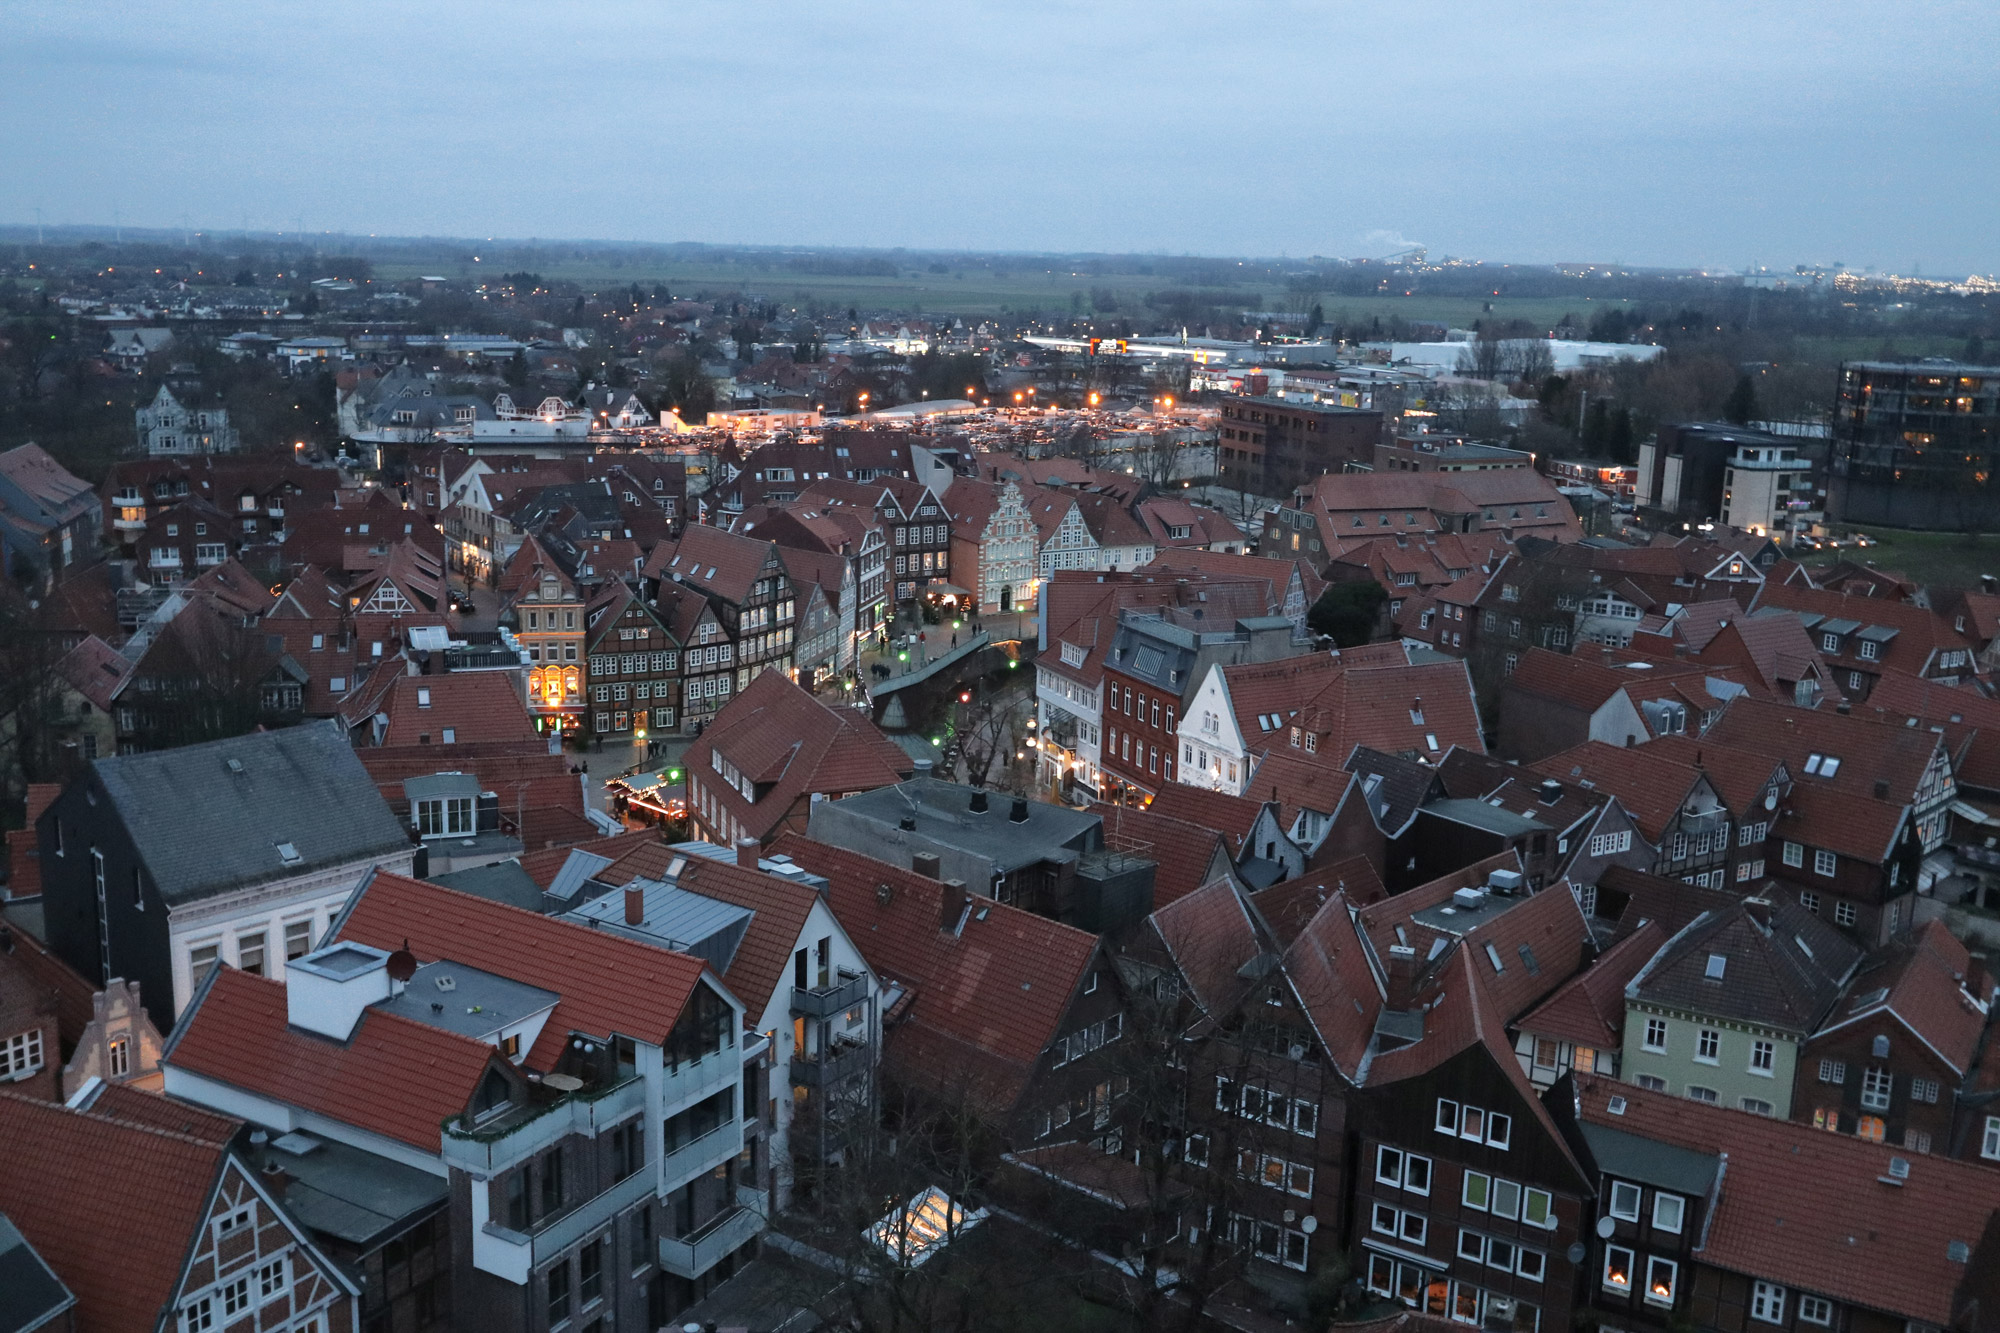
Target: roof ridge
[207, 1145]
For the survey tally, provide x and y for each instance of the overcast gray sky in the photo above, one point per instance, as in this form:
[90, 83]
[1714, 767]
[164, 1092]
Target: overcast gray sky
[1673, 133]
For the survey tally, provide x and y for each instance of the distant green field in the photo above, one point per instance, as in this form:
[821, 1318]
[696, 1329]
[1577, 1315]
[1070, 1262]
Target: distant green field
[1934, 559]
[977, 290]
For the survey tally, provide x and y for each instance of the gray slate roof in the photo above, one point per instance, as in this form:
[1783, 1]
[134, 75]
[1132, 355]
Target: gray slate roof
[205, 828]
[1783, 976]
[30, 1292]
[1649, 1162]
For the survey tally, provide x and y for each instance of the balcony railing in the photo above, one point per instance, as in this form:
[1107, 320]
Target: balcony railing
[821, 1070]
[564, 1231]
[823, 1001]
[701, 1154]
[692, 1255]
[519, 1134]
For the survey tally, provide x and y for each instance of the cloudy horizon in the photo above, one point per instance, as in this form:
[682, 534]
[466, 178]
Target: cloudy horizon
[1722, 136]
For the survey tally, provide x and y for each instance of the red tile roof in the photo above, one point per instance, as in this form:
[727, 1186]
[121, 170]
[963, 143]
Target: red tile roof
[114, 1207]
[609, 984]
[96, 670]
[1971, 721]
[1924, 985]
[1187, 854]
[43, 972]
[987, 1002]
[1231, 816]
[1921, 633]
[134, 1106]
[394, 1076]
[777, 734]
[1329, 968]
[1652, 787]
[1209, 936]
[711, 560]
[478, 706]
[779, 908]
[1287, 907]
[1371, 696]
[1589, 1009]
[1870, 749]
[1817, 1212]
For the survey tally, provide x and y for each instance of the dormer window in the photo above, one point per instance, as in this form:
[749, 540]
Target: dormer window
[492, 1097]
[1829, 643]
[444, 817]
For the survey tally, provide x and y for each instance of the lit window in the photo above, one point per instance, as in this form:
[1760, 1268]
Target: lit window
[1660, 1275]
[1618, 1268]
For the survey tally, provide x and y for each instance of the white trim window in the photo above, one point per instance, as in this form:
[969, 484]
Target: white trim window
[1767, 1303]
[1815, 1310]
[1404, 1170]
[1625, 1200]
[1656, 1035]
[1669, 1212]
[20, 1054]
[1763, 1058]
[1824, 862]
[1989, 1143]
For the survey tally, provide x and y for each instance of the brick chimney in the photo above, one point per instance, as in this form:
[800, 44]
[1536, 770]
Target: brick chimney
[927, 864]
[1402, 978]
[951, 905]
[746, 853]
[635, 905]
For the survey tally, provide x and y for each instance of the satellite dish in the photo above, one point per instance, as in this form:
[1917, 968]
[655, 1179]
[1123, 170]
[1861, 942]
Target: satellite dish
[1576, 1253]
[1310, 1225]
[1606, 1226]
[1770, 800]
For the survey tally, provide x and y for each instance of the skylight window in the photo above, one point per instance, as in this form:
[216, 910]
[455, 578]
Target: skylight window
[1493, 957]
[289, 854]
[1716, 964]
[1822, 765]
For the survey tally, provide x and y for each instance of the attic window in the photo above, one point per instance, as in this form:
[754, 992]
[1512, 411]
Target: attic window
[1437, 947]
[1822, 765]
[1716, 964]
[1417, 713]
[423, 697]
[1616, 1106]
[1431, 741]
[289, 854]
[1528, 960]
[1493, 957]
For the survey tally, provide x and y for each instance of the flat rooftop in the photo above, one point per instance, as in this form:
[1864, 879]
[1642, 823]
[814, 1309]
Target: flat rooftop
[944, 815]
[466, 1000]
[349, 1193]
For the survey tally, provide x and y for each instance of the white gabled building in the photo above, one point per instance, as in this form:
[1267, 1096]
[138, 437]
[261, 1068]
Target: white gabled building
[818, 1008]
